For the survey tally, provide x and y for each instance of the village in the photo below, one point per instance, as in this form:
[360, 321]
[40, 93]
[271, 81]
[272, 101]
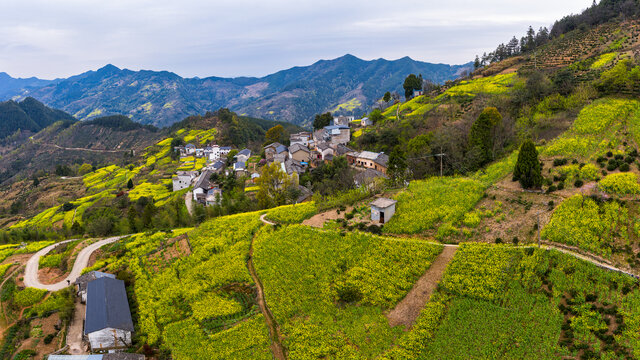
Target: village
[306, 151]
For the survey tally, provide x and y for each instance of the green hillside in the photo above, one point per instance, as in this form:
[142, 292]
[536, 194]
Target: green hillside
[515, 233]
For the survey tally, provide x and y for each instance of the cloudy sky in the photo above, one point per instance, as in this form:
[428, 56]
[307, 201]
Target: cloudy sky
[60, 38]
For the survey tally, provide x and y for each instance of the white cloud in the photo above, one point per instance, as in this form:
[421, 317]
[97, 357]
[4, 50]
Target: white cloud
[246, 37]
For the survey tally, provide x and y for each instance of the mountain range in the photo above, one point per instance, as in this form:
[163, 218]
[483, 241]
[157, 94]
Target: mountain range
[346, 85]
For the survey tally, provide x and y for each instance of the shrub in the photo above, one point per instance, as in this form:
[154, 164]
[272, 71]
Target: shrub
[629, 159]
[609, 154]
[612, 167]
[49, 338]
[578, 183]
[561, 185]
[559, 162]
[621, 184]
[28, 296]
[619, 157]
[624, 167]
[551, 189]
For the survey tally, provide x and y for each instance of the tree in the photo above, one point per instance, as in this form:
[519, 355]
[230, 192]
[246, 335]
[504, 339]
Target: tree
[528, 169]
[477, 63]
[273, 185]
[376, 115]
[481, 136]
[132, 215]
[275, 134]
[397, 167]
[130, 184]
[84, 169]
[386, 97]
[322, 120]
[36, 181]
[411, 83]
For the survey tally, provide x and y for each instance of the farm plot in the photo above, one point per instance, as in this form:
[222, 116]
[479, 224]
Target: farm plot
[328, 290]
[505, 302]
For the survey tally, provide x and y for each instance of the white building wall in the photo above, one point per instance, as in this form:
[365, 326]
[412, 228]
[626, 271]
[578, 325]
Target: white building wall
[109, 338]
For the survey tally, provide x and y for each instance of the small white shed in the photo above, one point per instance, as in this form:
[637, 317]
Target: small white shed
[382, 209]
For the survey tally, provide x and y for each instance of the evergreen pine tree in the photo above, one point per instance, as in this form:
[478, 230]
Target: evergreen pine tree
[130, 184]
[528, 169]
[482, 132]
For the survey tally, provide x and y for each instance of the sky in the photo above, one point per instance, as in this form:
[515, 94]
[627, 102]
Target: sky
[227, 38]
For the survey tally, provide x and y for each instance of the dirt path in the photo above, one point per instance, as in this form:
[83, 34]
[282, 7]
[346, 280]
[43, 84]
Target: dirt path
[407, 310]
[276, 339]
[74, 336]
[263, 218]
[188, 202]
[31, 271]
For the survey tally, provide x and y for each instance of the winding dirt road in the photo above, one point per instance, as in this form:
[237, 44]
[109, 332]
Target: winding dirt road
[31, 270]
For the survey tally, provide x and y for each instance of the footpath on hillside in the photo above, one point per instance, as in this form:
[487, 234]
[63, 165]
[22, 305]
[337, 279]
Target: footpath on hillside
[276, 339]
[407, 310]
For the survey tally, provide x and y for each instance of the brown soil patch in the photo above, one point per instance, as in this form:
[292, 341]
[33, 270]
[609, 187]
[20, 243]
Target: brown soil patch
[50, 275]
[18, 258]
[37, 343]
[175, 248]
[407, 310]
[318, 220]
[94, 257]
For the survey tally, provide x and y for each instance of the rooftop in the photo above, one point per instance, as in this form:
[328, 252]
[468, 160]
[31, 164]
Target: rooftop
[107, 306]
[383, 203]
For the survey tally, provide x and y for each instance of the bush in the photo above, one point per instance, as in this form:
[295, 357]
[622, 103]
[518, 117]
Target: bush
[619, 157]
[621, 184]
[25, 354]
[49, 338]
[559, 162]
[609, 154]
[624, 167]
[561, 185]
[578, 183]
[28, 296]
[629, 159]
[612, 167]
[551, 189]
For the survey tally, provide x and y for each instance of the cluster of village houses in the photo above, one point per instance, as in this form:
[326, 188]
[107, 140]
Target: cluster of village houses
[306, 150]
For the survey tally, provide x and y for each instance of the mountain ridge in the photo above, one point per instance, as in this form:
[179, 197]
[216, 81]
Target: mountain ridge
[294, 95]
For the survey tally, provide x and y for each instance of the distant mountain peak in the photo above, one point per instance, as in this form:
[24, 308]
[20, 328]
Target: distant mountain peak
[109, 68]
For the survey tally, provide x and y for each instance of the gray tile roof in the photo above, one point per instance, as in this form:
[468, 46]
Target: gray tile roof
[203, 180]
[107, 306]
[298, 147]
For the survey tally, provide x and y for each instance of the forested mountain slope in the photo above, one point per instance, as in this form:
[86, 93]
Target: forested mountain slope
[295, 95]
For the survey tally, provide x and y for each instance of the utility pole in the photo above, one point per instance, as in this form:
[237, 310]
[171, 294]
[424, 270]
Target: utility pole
[539, 240]
[441, 155]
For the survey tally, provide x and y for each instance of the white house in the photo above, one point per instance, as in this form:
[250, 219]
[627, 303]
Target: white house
[366, 122]
[324, 150]
[224, 150]
[212, 153]
[303, 138]
[190, 149]
[183, 179]
[243, 155]
[202, 185]
[382, 209]
[107, 321]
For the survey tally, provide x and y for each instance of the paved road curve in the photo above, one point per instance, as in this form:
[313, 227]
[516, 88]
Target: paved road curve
[31, 270]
